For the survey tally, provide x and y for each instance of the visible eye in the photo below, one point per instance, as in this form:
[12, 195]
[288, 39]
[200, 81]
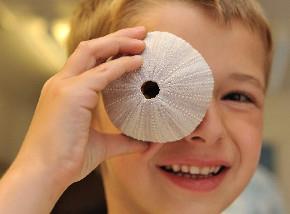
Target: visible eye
[238, 97]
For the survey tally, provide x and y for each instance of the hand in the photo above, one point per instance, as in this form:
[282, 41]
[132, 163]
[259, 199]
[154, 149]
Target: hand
[60, 146]
[60, 136]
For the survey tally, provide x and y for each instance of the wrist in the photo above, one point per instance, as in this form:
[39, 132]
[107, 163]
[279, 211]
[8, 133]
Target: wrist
[29, 188]
[42, 173]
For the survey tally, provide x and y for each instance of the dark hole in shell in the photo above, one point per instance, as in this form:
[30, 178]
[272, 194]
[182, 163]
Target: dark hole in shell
[150, 89]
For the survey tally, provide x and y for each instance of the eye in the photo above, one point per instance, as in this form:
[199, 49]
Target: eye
[238, 97]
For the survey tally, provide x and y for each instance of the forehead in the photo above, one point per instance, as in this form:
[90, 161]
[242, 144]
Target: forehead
[227, 48]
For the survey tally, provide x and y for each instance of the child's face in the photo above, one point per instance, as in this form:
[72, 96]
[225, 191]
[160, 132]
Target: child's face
[229, 136]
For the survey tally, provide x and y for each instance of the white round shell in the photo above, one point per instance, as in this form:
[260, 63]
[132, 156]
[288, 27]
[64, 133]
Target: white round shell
[185, 81]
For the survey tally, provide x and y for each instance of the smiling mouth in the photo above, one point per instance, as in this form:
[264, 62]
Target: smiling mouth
[194, 172]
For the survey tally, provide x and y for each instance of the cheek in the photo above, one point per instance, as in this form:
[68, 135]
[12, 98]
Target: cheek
[133, 174]
[246, 133]
[138, 164]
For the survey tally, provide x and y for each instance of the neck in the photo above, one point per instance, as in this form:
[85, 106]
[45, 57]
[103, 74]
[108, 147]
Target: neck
[121, 205]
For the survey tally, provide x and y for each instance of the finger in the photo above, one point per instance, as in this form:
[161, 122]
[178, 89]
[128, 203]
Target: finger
[91, 53]
[135, 32]
[94, 52]
[98, 78]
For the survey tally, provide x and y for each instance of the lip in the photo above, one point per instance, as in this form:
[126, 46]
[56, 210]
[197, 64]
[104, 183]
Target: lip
[195, 185]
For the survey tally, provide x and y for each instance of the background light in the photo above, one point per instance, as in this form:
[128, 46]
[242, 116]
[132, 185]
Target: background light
[60, 31]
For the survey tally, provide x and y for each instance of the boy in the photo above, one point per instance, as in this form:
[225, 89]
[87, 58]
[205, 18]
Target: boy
[203, 172]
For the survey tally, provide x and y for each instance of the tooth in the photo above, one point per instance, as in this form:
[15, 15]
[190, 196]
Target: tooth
[204, 171]
[176, 168]
[217, 169]
[194, 170]
[184, 168]
[211, 169]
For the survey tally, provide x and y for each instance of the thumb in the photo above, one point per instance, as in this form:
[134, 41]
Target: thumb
[117, 144]
[104, 146]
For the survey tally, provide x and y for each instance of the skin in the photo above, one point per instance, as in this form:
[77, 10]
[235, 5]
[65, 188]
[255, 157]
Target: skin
[61, 147]
[231, 130]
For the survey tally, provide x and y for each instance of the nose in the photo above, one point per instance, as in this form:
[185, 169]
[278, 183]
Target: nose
[211, 129]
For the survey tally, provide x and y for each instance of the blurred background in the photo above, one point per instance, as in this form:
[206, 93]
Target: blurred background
[32, 38]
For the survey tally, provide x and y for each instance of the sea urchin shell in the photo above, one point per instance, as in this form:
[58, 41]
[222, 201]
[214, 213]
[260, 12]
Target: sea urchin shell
[167, 98]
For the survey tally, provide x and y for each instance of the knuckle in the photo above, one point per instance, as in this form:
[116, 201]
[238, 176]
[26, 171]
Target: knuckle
[64, 90]
[121, 41]
[113, 42]
[103, 68]
[84, 46]
[103, 81]
[116, 41]
[56, 87]
[48, 84]
[106, 81]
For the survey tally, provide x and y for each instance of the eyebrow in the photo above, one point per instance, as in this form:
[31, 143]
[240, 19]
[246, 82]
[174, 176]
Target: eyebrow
[247, 78]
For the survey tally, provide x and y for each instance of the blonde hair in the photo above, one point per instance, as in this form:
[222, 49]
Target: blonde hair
[97, 18]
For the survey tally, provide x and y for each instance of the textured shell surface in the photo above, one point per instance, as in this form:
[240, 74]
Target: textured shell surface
[185, 85]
